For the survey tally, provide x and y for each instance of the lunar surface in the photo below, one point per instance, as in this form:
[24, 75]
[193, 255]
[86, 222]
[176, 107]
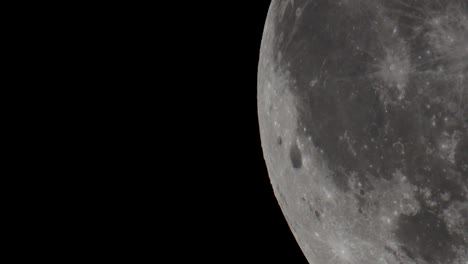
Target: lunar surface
[363, 112]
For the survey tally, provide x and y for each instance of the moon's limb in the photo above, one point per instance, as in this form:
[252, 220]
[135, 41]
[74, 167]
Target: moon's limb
[363, 110]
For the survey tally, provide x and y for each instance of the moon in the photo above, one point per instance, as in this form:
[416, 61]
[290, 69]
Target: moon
[363, 114]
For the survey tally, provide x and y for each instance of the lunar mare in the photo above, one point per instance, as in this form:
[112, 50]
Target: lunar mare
[363, 112]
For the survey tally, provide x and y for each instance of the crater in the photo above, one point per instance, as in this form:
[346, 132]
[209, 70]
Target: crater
[295, 156]
[394, 70]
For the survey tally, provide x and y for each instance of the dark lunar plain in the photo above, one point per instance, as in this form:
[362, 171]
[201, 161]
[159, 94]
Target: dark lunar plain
[363, 113]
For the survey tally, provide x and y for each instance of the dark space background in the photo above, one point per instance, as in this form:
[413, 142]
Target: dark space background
[200, 191]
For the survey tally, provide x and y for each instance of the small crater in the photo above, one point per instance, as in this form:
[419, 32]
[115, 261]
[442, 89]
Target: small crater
[360, 210]
[298, 12]
[317, 214]
[295, 156]
[279, 141]
[362, 192]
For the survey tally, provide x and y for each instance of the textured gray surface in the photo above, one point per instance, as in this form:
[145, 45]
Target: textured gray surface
[363, 111]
